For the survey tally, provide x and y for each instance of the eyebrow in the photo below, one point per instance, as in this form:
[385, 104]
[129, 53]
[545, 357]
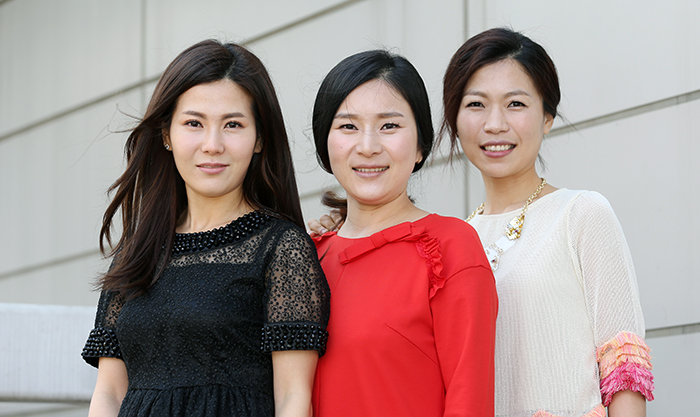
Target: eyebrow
[225, 116]
[381, 115]
[508, 94]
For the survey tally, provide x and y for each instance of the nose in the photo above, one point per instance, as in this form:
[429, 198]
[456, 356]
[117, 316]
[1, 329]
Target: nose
[496, 121]
[370, 143]
[213, 142]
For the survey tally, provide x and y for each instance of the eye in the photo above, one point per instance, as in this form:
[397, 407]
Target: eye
[387, 126]
[233, 125]
[517, 104]
[347, 126]
[474, 104]
[193, 123]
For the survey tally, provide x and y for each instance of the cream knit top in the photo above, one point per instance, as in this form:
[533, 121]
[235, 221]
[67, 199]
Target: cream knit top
[565, 288]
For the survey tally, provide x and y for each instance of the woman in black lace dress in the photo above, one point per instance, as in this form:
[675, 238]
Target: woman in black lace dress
[215, 304]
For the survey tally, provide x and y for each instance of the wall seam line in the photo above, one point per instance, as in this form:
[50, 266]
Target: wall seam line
[145, 81]
[48, 264]
[673, 330]
[627, 113]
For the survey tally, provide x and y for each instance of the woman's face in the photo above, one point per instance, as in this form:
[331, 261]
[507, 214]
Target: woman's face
[213, 137]
[501, 121]
[373, 144]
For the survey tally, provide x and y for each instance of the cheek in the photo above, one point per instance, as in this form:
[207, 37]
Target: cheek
[181, 164]
[531, 131]
[410, 153]
[336, 150]
[465, 126]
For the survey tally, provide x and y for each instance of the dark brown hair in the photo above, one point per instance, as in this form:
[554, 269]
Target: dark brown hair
[351, 73]
[489, 47]
[151, 193]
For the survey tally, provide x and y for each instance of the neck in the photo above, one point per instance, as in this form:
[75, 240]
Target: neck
[508, 194]
[209, 213]
[364, 220]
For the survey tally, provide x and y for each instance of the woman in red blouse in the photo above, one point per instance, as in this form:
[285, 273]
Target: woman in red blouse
[413, 305]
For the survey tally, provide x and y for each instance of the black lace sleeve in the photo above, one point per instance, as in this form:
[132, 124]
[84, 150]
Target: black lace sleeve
[102, 341]
[297, 303]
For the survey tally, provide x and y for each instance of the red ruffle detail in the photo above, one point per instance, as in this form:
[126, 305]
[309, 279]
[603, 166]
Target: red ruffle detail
[429, 248]
[317, 239]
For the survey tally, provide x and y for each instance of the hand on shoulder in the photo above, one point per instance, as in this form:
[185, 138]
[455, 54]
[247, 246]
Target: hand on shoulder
[327, 223]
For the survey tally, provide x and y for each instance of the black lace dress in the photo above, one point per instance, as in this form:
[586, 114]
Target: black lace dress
[199, 342]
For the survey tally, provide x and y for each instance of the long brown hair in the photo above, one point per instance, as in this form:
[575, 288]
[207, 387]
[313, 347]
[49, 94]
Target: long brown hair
[151, 193]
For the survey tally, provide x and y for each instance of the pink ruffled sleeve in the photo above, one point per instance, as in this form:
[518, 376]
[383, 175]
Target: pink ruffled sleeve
[625, 364]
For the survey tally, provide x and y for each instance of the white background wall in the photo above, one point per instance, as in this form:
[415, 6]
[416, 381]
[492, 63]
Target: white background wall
[630, 74]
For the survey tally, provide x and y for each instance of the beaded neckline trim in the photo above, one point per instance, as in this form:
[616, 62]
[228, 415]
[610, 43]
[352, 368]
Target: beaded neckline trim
[224, 235]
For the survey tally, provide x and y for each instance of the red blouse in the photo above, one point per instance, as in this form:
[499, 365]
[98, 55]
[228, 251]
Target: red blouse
[412, 326]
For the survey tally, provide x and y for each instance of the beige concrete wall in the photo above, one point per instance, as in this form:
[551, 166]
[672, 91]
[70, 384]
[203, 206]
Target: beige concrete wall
[630, 74]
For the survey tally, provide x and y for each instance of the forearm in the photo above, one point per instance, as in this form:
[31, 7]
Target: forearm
[293, 373]
[627, 404]
[294, 404]
[104, 405]
[110, 389]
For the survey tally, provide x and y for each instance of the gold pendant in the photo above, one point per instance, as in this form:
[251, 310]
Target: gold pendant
[515, 227]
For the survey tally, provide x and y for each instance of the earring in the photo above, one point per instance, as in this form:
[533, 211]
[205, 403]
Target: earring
[167, 147]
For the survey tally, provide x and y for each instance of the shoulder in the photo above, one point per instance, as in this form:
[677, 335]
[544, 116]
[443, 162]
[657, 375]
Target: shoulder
[589, 214]
[450, 229]
[325, 240]
[458, 242]
[572, 202]
[286, 231]
[588, 203]
[577, 198]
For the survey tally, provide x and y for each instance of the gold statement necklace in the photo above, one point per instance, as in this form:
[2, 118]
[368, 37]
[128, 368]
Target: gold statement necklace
[512, 232]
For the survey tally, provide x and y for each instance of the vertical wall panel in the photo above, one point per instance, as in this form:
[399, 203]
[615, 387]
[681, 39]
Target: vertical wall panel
[54, 179]
[61, 54]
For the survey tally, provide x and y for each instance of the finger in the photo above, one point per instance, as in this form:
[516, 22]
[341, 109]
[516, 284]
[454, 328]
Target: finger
[337, 217]
[327, 222]
[317, 229]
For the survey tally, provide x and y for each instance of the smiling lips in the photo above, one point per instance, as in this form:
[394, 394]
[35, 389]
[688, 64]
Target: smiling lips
[371, 169]
[497, 148]
[212, 168]
[369, 172]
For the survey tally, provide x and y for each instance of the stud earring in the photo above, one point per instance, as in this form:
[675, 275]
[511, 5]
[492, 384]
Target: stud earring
[167, 147]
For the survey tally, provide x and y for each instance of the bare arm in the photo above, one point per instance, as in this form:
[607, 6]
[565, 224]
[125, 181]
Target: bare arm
[110, 389]
[627, 404]
[293, 381]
